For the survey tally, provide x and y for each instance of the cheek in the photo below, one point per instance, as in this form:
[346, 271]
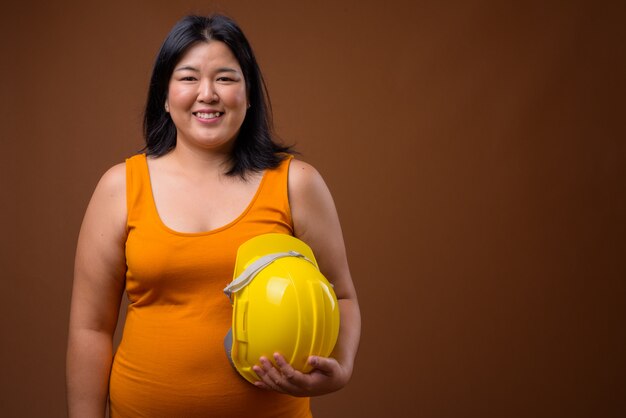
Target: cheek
[236, 98]
[178, 97]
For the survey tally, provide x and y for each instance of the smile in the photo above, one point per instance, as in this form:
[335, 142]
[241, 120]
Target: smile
[212, 115]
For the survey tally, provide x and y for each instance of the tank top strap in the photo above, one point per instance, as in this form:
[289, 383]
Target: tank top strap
[137, 189]
[272, 200]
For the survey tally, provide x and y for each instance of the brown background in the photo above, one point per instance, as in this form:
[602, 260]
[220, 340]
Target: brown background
[476, 152]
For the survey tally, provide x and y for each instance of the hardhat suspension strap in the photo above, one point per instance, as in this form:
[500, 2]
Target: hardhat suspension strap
[253, 269]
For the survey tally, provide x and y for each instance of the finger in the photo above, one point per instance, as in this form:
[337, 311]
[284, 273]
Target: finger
[285, 368]
[261, 385]
[293, 376]
[259, 371]
[269, 374]
[266, 364]
[266, 381]
[263, 372]
[324, 364]
[270, 370]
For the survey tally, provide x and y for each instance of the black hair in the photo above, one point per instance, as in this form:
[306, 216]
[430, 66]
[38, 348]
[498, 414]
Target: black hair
[254, 148]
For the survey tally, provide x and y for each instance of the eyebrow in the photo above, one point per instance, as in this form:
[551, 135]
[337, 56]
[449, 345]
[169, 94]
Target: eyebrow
[187, 68]
[227, 70]
[219, 70]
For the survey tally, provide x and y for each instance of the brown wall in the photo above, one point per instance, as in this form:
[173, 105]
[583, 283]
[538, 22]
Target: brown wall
[476, 152]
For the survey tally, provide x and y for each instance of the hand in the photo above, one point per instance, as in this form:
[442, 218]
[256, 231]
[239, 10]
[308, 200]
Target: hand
[328, 375]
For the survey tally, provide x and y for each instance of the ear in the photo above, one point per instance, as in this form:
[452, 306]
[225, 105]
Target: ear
[167, 106]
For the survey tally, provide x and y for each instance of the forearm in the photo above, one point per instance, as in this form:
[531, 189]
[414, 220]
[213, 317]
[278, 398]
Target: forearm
[89, 358]
[349, 334]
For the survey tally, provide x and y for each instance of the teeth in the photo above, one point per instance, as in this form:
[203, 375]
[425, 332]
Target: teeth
[208, 115]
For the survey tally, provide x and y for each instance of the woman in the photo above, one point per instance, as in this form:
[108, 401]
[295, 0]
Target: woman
[165, 226]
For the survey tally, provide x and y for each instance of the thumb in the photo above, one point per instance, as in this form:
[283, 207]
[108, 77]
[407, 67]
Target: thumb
[323, 364]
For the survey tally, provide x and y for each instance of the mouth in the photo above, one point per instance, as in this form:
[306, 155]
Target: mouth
[207, 116]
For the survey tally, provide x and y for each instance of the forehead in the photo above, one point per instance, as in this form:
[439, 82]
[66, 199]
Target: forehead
[207, 55]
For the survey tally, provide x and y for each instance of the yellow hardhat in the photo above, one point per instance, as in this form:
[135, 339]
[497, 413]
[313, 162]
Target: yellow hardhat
[281, 303]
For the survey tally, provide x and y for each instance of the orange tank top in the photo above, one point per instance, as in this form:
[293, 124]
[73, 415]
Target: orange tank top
[171, 360]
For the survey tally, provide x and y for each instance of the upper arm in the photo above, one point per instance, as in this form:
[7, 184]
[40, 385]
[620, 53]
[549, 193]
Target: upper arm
[316, 222]
[100, 263]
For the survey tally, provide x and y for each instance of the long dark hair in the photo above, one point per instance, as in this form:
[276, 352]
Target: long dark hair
[254, 148]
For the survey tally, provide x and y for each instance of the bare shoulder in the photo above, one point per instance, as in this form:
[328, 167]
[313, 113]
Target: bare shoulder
[113, 181]
[107, 207]
[310, 200]
[305, 179]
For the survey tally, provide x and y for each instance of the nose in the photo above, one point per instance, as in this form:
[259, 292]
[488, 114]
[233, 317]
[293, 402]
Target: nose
[207, 92]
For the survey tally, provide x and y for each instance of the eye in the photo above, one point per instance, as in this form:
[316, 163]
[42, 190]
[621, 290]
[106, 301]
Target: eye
[188, 78]
[226, 79]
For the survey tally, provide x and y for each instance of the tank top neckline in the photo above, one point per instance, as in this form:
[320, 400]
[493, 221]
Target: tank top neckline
[155, 212]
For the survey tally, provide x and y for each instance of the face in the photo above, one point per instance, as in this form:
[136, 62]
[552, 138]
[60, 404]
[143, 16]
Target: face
[207, 97]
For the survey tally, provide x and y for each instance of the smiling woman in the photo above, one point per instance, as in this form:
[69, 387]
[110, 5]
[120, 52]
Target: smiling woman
[254, 148]
[165, 227]
[207, 98]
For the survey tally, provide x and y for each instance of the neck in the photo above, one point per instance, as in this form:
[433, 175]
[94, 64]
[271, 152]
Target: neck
[200, 163]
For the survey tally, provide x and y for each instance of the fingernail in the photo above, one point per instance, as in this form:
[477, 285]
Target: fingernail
[313, 361]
